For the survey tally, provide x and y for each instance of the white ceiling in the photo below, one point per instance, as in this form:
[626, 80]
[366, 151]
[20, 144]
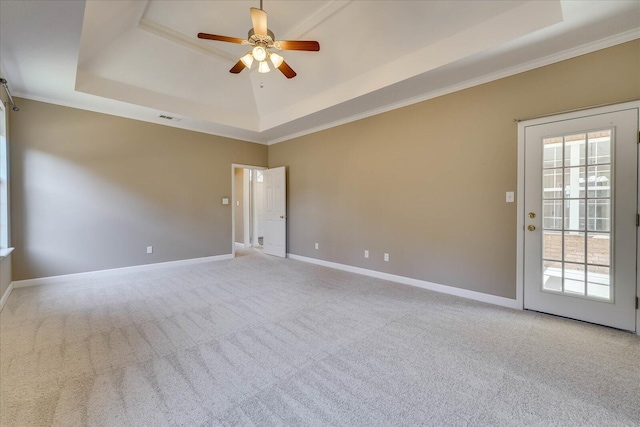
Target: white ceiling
[140, 59]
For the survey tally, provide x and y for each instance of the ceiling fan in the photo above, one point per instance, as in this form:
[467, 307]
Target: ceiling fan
[262, 39]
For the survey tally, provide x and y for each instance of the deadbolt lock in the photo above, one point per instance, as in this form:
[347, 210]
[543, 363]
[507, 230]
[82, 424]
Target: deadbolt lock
[531, 227]
[532, 215]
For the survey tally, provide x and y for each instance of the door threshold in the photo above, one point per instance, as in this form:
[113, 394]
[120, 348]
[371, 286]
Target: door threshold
[580, 321]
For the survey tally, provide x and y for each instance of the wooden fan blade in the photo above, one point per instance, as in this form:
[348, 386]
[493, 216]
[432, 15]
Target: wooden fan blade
[259, 19]
[286, 70]
[220, 38]
[299, 45]
[238, 67]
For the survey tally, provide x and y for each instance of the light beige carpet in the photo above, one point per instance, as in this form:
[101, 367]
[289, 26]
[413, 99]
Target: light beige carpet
[265, 341]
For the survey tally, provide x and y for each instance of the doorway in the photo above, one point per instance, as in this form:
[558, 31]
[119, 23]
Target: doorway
[248, 215]
[579, 215]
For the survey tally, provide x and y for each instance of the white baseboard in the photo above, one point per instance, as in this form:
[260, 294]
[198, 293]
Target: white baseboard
[104, 273]
[5, 297]
[451, 290]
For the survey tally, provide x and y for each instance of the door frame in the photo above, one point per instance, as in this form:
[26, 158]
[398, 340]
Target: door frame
[235, 166]
[520, 223]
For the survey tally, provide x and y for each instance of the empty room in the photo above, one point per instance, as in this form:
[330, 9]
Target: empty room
[319, 213]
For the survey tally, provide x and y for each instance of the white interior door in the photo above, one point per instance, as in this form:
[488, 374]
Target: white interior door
[275, 231]
[581, 202]
[259, 194]
[246, 207]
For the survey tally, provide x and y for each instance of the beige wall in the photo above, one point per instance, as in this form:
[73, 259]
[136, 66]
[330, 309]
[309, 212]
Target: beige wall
[426, 183]
[238, 183]
[91, 191]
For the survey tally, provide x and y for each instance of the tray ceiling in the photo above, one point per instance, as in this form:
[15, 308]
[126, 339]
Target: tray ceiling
[141, 59]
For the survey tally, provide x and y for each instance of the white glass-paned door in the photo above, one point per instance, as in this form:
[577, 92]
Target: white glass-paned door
[581, 195]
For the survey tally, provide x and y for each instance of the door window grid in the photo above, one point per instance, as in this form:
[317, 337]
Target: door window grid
[577, 200]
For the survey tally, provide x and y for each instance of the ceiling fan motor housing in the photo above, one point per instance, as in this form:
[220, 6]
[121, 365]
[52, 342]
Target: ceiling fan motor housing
[268, 39]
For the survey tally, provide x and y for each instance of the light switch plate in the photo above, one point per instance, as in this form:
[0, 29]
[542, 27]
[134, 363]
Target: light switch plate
[510, 197]
[225, 201]
[386, 257]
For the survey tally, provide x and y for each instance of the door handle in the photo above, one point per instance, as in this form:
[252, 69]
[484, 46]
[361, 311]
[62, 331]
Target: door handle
[281, 216]
[531, 227]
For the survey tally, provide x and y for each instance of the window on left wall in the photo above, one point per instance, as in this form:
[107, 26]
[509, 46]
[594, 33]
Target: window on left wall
[4, 182]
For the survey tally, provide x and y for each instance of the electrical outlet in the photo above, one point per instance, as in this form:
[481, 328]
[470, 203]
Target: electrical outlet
[366, 253]
[317, 246]
[386, 257]
[149, 249]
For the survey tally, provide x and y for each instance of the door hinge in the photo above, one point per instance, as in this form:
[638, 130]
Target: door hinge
[637, 303]
[637, 220]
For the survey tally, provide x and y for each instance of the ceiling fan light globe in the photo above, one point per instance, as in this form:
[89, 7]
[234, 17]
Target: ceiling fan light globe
[276, 59]
[263, 67]
[247, 60]
[259, 53]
